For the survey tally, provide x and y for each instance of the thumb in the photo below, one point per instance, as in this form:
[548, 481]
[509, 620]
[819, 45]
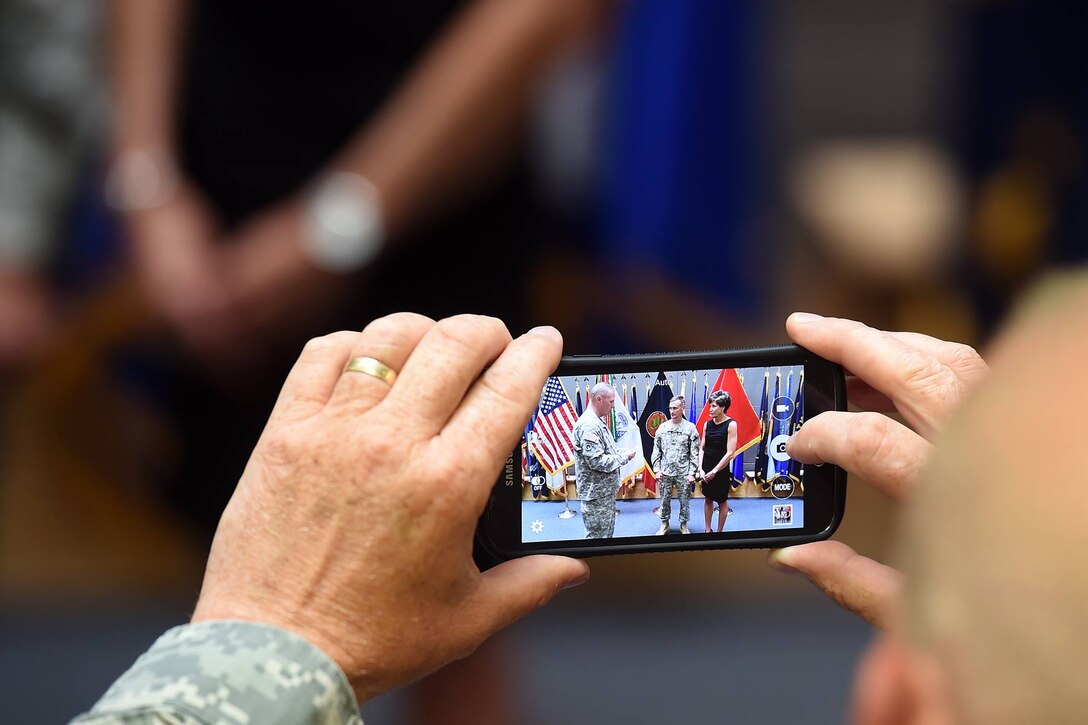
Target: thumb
[511, 590]
[863, 586]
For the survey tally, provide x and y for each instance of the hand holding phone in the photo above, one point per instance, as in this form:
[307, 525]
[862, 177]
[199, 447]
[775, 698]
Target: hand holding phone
[629, 434]
[885, 453]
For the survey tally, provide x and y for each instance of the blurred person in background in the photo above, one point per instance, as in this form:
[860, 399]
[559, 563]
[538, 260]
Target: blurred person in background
[960, 646]
[1021, 143]
[50, 103]
[287, 170]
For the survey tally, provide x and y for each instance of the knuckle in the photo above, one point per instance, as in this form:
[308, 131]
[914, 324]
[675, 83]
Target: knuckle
[381, 446]
[878, 449]
[327, 344]
[869, 437]
[929, 379]
[921, 372]
[965, 360]
[470, 330]
[396, 327]
[810, 438]
[836, 591]
[458, 332]
[458, 468]
[505, 389]
[845, 596]
[539, 599]
[281, 445]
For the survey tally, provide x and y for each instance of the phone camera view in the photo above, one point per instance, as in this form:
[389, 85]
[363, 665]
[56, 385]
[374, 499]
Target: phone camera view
[671, 453]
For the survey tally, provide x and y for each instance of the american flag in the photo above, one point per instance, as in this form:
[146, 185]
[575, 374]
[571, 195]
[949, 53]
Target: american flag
[553, 433]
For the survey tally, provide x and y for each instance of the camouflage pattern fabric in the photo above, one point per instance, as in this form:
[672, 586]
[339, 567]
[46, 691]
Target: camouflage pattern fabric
[229, 672]
[667, 485]
[675, 457]
[676, 449]
[597, 464]
[599, 517]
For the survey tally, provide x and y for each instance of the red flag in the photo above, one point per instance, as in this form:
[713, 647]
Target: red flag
[740, 410]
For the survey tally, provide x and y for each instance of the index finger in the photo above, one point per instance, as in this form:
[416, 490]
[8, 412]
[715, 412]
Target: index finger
[923, 388]
[493, 415]
[441, 368]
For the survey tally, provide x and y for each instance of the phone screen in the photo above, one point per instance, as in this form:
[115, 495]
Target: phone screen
[663, 452]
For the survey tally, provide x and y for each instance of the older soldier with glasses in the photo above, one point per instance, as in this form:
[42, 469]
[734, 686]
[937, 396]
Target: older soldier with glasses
[597, 463]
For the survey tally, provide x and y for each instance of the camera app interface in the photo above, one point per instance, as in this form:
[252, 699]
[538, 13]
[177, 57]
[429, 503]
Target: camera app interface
[669, 453]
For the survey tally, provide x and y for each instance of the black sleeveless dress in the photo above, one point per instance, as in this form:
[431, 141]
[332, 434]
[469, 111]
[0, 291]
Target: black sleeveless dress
[714, 447]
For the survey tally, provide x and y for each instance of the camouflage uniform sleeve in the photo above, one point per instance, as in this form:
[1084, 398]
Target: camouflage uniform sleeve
[229, 673]
[693, 455]
[655, 456]
[596, 453]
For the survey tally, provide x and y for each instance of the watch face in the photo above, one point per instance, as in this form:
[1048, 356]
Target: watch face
[343, 224]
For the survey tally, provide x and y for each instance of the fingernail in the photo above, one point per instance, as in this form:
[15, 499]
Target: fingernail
[804, 318]
[579, 581]
[546, 331]
[777, 560]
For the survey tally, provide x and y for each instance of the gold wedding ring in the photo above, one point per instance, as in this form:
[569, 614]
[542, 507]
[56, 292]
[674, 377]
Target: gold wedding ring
[372, 367]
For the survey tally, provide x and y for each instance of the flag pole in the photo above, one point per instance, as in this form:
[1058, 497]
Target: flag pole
[567, 511]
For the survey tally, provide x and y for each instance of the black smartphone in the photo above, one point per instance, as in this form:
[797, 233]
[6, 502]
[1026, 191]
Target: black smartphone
[692, 445]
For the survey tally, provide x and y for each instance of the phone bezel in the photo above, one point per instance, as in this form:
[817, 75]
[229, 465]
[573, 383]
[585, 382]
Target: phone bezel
[825, 389]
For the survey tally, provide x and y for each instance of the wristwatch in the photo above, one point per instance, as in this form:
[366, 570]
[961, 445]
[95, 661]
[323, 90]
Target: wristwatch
[141, 178]
[343, 230]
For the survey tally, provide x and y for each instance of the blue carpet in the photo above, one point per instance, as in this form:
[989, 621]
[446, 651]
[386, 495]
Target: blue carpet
[636, 518]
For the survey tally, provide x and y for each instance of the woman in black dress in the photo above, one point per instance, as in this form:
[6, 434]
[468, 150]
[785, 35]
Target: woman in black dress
[719, 442]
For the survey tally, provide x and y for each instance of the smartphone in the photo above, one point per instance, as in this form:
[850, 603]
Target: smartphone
[682, 439]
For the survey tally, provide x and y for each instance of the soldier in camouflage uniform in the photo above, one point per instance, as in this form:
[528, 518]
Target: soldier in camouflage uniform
[597, 464]
[674, 461]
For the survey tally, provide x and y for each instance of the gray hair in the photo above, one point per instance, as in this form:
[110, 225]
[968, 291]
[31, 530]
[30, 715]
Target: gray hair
[601, 389]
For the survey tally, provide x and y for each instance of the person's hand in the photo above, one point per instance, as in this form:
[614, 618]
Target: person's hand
[172, 249]
[631, 454]
[925, 380]
[26, 317]
[691, 479]
[271, 283]
[709, 476]
[353, 522]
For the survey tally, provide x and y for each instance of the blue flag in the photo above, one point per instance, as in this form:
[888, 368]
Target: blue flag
[693, 412]
[578, 401]
[765, 434]
[781, 425]
[533, 470]
[738, 469]
[798, 421]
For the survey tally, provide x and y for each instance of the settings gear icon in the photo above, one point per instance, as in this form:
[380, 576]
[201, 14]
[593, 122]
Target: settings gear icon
[537, 526]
